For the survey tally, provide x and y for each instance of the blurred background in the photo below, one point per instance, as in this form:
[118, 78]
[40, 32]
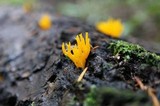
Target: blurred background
[140, 17]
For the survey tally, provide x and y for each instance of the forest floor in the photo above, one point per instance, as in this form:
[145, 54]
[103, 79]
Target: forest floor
[34, 71]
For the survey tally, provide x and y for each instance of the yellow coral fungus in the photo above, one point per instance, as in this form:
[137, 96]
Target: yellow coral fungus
[45, 22]
[79, 52]
[111, 27]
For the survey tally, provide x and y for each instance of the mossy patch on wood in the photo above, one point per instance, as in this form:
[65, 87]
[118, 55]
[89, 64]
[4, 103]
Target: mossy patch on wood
[105, 96]
[129, 51]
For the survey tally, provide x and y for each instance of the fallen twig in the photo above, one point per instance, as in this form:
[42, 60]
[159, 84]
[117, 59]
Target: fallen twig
[95, 47]
[149, 90]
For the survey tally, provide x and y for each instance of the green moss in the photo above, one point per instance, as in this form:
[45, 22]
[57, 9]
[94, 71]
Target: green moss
[105, 96]
[92, 98]
[130, 51]
[72, 101]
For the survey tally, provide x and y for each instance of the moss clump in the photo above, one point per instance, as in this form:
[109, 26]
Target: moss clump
[92, 98]
[130, 51]
[108, 96]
